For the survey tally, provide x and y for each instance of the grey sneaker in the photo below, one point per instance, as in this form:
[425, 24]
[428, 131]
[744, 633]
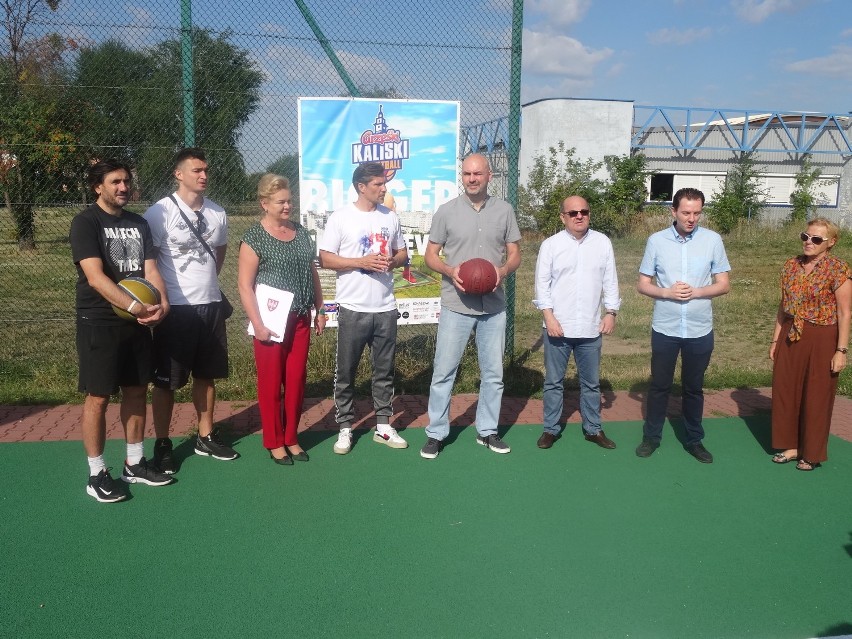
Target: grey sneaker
[432, 448]
[102, 488]
[145, 473]
[212, 446]
[493, 442]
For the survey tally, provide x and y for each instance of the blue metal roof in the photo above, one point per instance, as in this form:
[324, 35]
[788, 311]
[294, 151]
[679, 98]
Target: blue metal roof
[685, 128]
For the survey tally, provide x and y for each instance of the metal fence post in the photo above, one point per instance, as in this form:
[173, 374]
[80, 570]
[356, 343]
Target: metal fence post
[186, 72]
[512, 154]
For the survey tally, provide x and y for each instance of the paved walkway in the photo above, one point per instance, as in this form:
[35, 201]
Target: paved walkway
[58, 423]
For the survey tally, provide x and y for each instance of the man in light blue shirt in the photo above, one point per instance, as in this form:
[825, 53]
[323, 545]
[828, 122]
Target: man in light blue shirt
[684, 267]
[574, 273]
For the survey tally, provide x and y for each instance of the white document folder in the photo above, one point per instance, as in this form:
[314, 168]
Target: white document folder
[274, 305]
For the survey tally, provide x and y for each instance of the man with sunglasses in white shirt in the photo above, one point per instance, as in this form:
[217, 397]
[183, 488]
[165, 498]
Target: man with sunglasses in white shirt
[575, 278]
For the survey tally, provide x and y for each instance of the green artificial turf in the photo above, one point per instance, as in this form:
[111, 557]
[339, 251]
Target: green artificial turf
[574, 541]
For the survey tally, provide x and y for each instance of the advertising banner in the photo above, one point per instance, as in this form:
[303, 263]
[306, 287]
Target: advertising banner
[417, 142]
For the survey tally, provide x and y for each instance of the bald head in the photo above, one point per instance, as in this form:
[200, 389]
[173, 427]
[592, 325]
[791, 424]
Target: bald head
[476, 174]
[575, 215]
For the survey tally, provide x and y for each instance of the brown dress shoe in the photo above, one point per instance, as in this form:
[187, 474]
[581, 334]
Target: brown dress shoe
[601, 440]
[546, 440]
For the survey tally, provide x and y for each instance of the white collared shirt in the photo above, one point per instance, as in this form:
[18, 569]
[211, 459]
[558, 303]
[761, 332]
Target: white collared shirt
[572, 277]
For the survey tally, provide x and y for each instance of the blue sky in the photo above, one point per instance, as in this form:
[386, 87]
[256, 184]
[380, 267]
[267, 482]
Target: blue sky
[739, 54]
[791, 55]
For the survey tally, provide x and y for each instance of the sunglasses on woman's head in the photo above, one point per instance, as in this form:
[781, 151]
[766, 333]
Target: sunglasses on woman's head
[816, 240]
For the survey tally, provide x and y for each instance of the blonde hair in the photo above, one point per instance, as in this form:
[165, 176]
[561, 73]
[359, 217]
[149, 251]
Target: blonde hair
[270, 184]
[832, 232]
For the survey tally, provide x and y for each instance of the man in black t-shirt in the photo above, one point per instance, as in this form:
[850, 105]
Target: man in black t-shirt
[109, 244]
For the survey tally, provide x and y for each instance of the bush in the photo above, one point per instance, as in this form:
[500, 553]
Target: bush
[741, 198]
[803, 198]
[553, 178]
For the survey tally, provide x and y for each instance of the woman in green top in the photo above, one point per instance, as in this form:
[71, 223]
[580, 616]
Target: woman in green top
[279, 252]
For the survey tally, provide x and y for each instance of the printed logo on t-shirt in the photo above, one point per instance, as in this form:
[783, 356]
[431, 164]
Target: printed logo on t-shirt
[124, 248]
[376, 242]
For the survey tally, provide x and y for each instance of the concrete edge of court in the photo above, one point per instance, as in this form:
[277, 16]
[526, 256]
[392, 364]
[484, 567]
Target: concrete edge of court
[62, 422]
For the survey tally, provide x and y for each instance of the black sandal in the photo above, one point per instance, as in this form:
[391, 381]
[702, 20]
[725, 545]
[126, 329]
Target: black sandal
[805, 466]
[781, 458]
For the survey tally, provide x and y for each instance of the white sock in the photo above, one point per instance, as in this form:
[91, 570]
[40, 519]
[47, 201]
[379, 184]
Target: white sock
[96, 465]
[134, 453]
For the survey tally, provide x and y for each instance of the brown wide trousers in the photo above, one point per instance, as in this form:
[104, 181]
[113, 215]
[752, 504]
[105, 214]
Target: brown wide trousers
[803, 390]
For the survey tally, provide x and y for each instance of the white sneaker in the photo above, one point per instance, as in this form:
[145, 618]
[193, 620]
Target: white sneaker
[344, 441]
[389, 437]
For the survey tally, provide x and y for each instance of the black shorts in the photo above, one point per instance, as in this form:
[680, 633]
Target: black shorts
[113, 356]
[191, 339]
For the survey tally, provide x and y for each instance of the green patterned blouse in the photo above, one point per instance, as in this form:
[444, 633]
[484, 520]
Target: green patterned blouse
[285, 265]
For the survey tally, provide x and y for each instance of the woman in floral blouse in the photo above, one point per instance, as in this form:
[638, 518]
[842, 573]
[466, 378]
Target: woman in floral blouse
[809, 347]
[279, 252]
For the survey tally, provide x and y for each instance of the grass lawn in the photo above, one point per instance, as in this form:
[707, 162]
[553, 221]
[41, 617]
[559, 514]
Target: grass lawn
[38, 362]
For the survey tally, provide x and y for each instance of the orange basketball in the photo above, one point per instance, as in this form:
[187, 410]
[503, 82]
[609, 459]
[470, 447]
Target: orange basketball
[478, 276]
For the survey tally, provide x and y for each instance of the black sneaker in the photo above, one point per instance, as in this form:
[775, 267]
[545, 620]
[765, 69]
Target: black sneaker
[163, 458]
[432, 448]
[102, 488]
[212, 446]
[145, 473]
[493, 442]
[646, 448]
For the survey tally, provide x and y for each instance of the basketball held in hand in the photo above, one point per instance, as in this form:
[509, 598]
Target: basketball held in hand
[140, 290]
[478, 276]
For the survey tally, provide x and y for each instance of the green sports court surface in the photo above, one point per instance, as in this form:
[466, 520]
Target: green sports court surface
[574, 541]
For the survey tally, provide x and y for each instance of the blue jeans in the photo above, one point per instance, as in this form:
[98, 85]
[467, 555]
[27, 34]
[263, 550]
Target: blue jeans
[453, 332]
[694, 358]
[587, 356]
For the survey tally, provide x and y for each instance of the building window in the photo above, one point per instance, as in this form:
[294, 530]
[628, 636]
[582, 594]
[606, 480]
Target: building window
[662, 187]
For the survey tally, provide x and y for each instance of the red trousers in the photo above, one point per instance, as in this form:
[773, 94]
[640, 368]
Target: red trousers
[283, 364]
[803, 389]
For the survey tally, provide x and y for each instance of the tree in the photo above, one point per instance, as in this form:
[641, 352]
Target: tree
[39, 126]
[804, 198]
[144, 114]
[741, 198]
[554, 177]
[624, 195]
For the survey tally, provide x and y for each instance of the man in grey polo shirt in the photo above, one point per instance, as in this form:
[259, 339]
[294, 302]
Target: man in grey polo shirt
[472, 225]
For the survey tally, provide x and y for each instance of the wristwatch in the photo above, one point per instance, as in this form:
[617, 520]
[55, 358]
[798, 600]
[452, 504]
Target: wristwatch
[613, 313]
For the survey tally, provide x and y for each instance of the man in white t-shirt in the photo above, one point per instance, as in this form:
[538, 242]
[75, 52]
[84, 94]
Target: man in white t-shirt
[363, 242]
[190, 236]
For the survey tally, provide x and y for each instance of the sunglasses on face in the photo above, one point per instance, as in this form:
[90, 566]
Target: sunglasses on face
[816, 240]
[583, 212]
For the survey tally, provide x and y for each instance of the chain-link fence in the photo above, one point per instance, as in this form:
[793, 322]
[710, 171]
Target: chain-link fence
[83, 79]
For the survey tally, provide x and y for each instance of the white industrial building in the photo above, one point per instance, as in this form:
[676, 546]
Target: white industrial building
[686, 146]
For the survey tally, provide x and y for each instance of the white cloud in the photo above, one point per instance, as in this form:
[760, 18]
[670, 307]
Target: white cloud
[838, 64]
[560, 55]
[759, 10]
[273, 27]
[435, 150]
[564, 88]
[846, 33]
[140, 22]
[679, 36]
[287, 65]
[557, 12]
